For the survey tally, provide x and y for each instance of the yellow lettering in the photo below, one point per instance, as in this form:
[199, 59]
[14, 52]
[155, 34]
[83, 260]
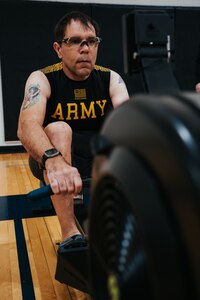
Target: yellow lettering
[87, 112]
[102, 106]
[58, 112]
[72, 109]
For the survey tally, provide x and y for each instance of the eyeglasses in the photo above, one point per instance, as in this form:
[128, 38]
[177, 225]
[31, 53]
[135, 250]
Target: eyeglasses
[76, 41]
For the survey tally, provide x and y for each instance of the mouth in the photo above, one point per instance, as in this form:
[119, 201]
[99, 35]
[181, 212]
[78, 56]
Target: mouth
[84, 61]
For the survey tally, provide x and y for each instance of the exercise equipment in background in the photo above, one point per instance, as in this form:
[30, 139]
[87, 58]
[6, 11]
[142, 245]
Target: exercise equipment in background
[149, 47]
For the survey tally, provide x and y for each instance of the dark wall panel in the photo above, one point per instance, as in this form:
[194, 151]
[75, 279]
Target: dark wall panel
[187, 38]
[111, 50]
[26, 35]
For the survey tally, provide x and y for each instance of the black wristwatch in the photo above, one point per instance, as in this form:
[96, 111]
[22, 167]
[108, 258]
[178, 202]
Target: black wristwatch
[49, 154]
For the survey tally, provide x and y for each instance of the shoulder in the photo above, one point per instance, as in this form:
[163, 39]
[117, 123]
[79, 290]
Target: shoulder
[52, 68]
[101, 73]
[118, 89]
[114, 74]
[37, 76]
[115, 78]
[101, 69]
[38, 80]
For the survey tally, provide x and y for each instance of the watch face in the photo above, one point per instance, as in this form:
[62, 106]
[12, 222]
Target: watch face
[51, 152]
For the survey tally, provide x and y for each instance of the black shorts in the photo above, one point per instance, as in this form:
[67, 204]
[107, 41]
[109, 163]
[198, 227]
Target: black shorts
[82, 157]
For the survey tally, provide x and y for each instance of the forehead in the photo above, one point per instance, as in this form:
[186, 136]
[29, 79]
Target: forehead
[77, 28]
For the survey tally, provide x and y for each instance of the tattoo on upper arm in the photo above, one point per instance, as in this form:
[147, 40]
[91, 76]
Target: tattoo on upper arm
[120, 80]
[31, 96]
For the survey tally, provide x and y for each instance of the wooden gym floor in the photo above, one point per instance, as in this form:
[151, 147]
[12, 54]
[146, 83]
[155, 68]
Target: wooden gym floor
[28, 244]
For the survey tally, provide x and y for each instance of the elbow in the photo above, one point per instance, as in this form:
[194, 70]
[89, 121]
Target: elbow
[19, 133]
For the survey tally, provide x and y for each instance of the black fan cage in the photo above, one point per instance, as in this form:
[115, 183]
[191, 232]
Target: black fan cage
[117, 257]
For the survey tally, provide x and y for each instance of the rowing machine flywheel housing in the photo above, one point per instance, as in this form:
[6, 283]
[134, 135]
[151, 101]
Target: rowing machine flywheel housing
[144, 227]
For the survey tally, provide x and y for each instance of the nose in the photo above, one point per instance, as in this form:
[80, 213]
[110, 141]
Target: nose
[84, 42]
[84, 47]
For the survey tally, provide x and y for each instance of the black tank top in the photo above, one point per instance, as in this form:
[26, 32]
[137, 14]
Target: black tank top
[82, 104]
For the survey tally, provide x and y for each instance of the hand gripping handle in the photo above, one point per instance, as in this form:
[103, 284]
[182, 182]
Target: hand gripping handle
[46, 190]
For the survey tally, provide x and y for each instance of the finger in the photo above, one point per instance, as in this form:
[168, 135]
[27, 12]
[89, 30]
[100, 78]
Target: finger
[54, 186]
[70, 185]
[58, 185]
[77, 185]
[63, 186]
[50, 179]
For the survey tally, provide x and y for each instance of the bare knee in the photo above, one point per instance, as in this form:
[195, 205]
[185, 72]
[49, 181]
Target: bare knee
[58, 130]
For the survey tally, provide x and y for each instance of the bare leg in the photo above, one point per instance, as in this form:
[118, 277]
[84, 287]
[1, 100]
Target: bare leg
[60, 135]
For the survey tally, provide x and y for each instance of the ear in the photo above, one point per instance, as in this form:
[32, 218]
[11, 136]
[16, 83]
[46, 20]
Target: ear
[57, 47]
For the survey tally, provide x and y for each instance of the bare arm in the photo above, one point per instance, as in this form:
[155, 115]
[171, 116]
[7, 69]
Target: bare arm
[61, 176]
[118, 90]
[30, 130]
[197, 87]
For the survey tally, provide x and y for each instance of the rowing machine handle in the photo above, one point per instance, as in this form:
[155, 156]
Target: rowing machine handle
[46, 190]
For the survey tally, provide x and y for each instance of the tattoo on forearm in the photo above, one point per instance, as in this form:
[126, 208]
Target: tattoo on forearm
[32, 96]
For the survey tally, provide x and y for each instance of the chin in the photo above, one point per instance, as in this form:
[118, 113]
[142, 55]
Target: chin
[84, 73]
